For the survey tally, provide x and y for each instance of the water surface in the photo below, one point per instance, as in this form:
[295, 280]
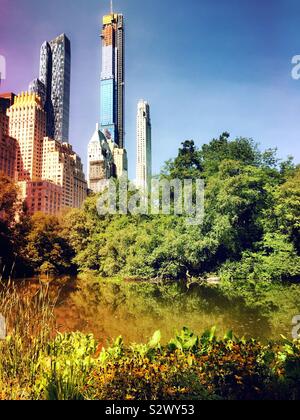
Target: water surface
[109, 309]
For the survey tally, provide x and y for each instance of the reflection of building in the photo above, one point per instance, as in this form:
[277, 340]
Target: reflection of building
[112, 107]
[8, 145]
[144, 148]
[55, 74]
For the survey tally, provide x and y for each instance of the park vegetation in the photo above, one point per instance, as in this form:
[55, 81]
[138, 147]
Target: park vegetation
[250, 239]
[250, 229]
[38, 364]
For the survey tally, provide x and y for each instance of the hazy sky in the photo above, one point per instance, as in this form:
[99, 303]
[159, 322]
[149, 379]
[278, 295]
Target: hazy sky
[205, 66]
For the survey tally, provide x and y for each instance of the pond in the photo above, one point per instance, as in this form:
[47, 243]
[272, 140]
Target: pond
[134, 310]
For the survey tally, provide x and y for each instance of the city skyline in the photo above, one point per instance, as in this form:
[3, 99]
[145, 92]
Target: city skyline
[237, 84]
[149, 203]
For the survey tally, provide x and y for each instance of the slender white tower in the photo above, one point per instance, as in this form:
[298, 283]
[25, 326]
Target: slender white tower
[144, 147]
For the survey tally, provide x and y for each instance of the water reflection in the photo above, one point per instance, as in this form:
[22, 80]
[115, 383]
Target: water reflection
[135, 310]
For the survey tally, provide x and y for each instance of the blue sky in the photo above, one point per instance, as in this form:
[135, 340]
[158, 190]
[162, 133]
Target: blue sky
[205, 66]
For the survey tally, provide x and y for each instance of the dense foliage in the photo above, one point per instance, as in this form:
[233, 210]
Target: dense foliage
[250, 229]
[30, 245]
[10, 206]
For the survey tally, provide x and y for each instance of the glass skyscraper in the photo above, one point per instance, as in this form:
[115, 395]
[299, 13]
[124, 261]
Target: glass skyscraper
[55, 73]
[112, 79]
[107, 156]
[38, 87]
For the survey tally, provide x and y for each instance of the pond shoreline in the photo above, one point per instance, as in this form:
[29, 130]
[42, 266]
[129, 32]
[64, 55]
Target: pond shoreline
[112, 307]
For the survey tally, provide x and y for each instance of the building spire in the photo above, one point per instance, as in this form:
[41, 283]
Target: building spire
[111, 7]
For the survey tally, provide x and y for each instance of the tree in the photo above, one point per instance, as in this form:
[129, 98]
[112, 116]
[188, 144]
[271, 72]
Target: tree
[187, 164]
[274, 259]
[250, 201]
[46, 246]
[236, 197]
[241, 149]
[10, 210]
[9, 203]
[287, 208]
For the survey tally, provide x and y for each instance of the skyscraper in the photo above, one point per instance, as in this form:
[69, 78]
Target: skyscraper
[38, 87]
[104, 163]
[46, 67]
[144, 146]
[46, 78]
[49, 173]
[8, 145]
[55, 74]
[100, 161]
[62, 166]
[27, 124]
[112, 79]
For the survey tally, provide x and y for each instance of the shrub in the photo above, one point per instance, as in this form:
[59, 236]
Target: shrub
[64, 366]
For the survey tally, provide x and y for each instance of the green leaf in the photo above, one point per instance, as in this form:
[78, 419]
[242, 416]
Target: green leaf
[229, 336]
[155, 340]
[212, 334]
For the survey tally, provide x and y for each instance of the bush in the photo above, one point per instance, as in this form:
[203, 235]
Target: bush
[275, 260]
[64, 367]
[193, 367]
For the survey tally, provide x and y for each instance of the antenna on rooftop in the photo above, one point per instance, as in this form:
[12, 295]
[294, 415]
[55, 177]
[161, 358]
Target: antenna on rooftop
[111, 7]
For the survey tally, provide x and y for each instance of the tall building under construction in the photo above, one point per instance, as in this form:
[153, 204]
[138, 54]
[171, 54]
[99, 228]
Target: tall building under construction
[112, 79]
[105, 162]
